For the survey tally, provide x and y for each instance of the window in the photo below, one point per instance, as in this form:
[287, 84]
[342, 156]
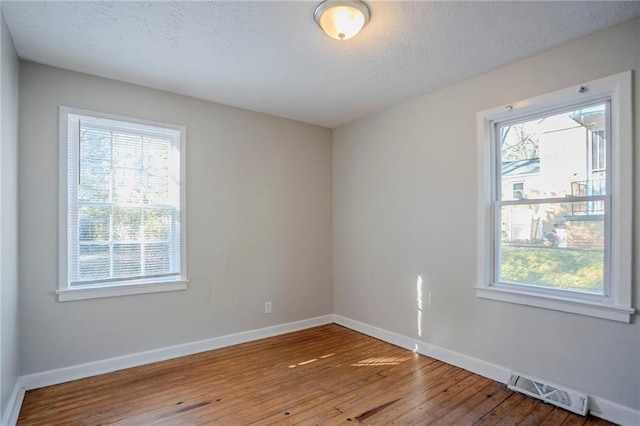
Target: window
[517, 190]
[122, 206]
[566, 243]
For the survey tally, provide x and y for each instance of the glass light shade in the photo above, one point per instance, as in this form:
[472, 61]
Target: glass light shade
[342, 19]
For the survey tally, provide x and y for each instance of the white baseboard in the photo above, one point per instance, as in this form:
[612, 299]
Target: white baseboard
[12, 410]
[613, 412]
[475, 365]
[74, 372]
[599, 407]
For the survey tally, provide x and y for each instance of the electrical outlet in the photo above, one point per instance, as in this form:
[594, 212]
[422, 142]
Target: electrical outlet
[267, 307]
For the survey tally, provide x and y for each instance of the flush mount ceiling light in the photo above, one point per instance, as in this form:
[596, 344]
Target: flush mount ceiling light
[341, 19]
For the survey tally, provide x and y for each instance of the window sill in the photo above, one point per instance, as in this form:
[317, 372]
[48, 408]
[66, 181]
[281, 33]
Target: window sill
[597, 310]
[81, 293]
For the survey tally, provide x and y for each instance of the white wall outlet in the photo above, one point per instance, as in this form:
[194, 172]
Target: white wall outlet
[267, 307]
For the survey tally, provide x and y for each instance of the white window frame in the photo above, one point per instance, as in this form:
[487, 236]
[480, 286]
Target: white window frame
[67, 292]
[616, 304]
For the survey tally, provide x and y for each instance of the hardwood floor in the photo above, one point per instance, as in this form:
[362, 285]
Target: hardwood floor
[322, 376]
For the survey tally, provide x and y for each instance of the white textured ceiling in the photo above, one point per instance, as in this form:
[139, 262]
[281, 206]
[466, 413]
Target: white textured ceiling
[271, 57]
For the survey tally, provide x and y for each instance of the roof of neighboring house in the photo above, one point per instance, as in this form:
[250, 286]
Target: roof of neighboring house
[592, 117]
[521, 167]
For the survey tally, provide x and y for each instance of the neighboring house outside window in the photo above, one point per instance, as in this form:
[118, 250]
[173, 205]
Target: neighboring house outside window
[516, 176]
[598, 150]
[555, 214]
[122, 227]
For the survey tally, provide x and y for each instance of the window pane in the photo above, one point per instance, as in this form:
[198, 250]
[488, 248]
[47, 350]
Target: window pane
[94, 183]
[95, 147]
[556, 155]
[546, 245]
[95, 161]
[126, 188]
[156, 258]
[127, 260]
[156, 189]
[126, 224]
[93, 262]
[93, 223]
[127, 150]
[156, 155]
[157, 224]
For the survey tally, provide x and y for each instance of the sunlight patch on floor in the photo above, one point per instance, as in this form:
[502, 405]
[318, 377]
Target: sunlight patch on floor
[312, 360]
[373, 362]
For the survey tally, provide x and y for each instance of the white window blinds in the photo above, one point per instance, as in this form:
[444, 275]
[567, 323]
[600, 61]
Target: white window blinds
[124, 198]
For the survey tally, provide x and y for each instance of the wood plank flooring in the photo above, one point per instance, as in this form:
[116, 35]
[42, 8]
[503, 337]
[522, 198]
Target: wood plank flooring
[326, 375]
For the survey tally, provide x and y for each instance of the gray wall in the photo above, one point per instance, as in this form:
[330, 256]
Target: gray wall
[258, 212]
[260, 223]
[405, 204]
[9, 359]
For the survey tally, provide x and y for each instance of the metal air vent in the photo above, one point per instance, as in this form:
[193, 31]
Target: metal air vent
[568, 399]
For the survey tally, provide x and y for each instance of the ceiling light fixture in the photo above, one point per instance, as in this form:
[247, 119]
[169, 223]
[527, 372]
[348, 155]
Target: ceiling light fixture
[341, 19]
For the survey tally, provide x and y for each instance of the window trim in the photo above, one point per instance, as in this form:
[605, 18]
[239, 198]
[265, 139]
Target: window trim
[617, 305]
[65, 291]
